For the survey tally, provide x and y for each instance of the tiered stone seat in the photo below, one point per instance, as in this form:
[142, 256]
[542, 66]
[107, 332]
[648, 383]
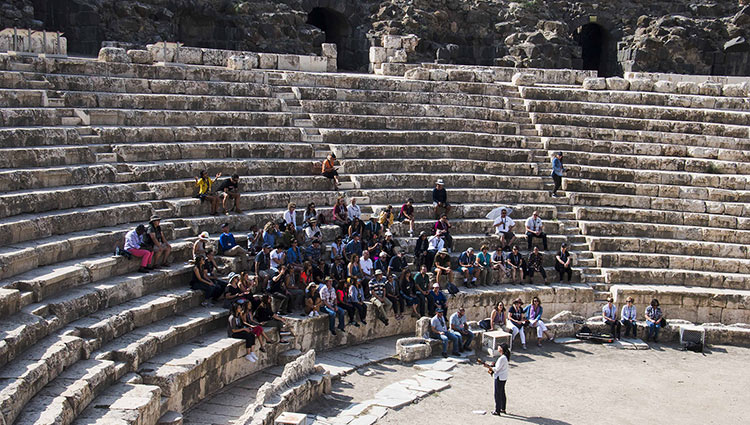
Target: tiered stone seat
[661, 180]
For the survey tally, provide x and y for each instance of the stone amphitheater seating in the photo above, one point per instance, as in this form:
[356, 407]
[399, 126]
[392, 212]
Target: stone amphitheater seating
[90, 149]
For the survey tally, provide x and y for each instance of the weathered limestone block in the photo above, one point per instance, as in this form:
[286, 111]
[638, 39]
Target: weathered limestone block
[313, 63]
[410, 42]
[268, 60]
[329, 50]
[41, 42]
[162, 52]
[438, 75]
[189, 55]
[332, 65]
[113, 54]
[460, 75]
[140, 56]
[641, 84]
[736, 90]
[392, 41]
[594, 84]
[422, 328]
[617, 83]
[418, 74]
[688, 87]
[664, 86]
[412, 349]
[215, 57]
[399, 56]
[523, 79]
[377, 55]
[710, 89]
[288, 62]
[243, 62]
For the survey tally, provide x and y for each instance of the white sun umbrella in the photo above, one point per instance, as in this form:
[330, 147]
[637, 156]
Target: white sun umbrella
[492, 215]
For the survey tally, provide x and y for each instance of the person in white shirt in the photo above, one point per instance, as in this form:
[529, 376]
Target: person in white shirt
[365, 264]
[609, 315]
[133, 241]
[353, 210]
[278, 257]
[290, 216]
[504, 227]
[459, 326]
[535, 229]
[328, 296]
[313, 231]
[500, 376]
[628, 316]
[439, 330]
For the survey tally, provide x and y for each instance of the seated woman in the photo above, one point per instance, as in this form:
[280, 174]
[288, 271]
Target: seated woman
[407, 289]
[516, 264]
[265, 316]
[341, 215]
[357, 298]
[309, 214]
[201, 282]
[563, 263]
[312, 300]
[628, 317]
[394, 296]
[654, 320]
[306, 275]
[328, 170]
[517, 318]
[498, 265]
[204, 183]
[420, 251]
[234, 292]
[237, 329]
[255, 327]
[356, 226]
[342, 300]
[386, 217]
[354, 271]
[201, 245]
[498, 319]
[534, 315]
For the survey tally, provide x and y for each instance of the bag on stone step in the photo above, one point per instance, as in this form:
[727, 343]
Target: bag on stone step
[123, 253]
[452, 289]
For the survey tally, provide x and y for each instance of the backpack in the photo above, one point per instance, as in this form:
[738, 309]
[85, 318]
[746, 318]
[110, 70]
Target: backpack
[452, 289]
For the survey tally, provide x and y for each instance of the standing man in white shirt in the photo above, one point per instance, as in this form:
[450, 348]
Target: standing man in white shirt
[535, 229]
[353, 210]
[609, 314]
[504, 227]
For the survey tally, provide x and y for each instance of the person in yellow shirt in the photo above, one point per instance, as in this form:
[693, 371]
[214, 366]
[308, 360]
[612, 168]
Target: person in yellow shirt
[386, 217]
[204, 184]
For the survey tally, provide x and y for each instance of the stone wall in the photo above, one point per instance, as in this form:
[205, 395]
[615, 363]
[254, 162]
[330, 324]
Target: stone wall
[682, 36]
[31, 41]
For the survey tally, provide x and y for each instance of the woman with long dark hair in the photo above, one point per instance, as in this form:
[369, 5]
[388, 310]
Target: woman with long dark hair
[500, 376]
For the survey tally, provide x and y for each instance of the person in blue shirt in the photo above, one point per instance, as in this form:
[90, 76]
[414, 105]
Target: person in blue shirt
[271, 233]
[354, 247]
[467, 266]
[557, 172]
[436, 298]
[228, 247]
[533, 313]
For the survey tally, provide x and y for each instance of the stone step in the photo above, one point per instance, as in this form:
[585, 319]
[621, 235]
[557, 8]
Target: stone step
[183, 232]
[124, 404]
[70, 121]
[317, 138]
[106, 157]
[285, 95]
[303, 123]
[53, 102]
[26, 375]
[70, 393]
[601, 295]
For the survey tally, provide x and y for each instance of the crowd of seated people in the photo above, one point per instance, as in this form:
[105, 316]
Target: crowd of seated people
[284, 268]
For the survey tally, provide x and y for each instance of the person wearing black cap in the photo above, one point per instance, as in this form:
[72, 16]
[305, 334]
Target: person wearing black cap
[557, 172]
[563, 262]
[439, 330]
[160, 247]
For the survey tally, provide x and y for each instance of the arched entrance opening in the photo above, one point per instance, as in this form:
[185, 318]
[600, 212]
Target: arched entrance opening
[337, 29]
[594, 40]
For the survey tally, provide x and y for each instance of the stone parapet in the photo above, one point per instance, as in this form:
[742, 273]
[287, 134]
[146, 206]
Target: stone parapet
[33, 41]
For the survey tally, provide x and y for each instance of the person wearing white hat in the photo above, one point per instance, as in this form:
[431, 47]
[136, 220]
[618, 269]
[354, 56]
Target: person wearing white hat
[436, 298]
[201, 245]
[440, 199]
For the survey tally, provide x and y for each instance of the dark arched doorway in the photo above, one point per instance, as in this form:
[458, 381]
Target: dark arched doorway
[337, 30]
[593, 39]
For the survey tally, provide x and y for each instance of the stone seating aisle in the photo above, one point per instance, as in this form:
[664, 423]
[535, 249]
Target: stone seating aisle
[671, 172]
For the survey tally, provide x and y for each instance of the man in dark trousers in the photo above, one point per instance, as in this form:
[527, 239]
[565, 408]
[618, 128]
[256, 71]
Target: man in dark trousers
[557, 172]
[440, 199]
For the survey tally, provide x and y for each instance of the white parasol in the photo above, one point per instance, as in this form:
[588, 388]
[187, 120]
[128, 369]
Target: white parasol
[492, 215]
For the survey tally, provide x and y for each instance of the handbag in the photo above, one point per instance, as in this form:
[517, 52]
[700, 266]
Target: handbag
[663, 322]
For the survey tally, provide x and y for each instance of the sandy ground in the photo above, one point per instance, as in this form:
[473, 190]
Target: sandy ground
[574, 384]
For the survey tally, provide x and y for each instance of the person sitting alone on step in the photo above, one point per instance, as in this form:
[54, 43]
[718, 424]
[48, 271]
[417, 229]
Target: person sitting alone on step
[440, 199]
[563, 260]
[557, 172]
[407, 215]
[329, 170]
[204, 184]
